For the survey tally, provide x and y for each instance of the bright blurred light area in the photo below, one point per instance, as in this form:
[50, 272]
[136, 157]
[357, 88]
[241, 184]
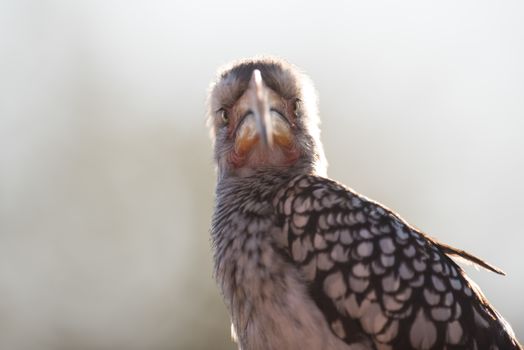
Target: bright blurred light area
[106, 173]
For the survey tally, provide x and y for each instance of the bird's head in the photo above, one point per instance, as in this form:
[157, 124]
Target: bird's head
[263, 115]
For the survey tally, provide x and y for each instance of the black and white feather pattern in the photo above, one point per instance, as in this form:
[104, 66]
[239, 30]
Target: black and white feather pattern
[374, 276]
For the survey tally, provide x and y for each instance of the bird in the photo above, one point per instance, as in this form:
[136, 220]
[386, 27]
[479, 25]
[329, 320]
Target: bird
[305, 262]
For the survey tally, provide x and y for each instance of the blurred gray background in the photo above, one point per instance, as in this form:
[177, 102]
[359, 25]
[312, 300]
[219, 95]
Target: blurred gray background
[106, 175]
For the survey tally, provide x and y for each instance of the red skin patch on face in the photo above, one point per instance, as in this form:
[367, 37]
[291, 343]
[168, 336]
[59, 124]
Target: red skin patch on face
[236, 160]
[244, 154]
[292, 156]
[243, 147]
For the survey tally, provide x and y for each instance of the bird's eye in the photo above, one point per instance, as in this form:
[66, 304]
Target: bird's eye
[222, 113]
[296, 106]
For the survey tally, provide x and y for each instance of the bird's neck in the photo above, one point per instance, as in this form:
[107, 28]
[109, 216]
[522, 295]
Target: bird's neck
[247, 174]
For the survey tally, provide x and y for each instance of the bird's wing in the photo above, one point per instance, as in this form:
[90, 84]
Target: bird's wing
[373, 276]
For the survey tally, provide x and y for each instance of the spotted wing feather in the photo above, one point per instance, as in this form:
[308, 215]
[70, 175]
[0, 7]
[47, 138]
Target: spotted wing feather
[375, 277]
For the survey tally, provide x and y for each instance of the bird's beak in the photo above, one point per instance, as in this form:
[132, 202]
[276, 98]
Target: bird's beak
[257, 123]
[258, 99]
